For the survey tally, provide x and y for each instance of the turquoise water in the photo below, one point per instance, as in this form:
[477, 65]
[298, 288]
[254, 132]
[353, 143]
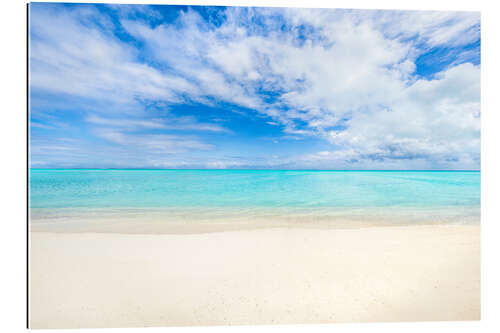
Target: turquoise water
[51, 188]
[328, 192]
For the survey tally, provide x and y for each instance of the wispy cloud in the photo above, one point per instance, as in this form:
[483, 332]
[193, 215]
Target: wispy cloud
[70, 52]
[153, 143]
[179, 123]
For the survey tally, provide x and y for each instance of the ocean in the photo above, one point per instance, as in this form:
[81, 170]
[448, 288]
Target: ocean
[296, 195]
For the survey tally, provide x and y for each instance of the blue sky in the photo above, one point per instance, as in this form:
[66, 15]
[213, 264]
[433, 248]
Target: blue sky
[136, 86]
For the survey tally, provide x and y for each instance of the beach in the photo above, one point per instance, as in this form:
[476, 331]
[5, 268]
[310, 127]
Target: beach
[240, 276]
[132, 248]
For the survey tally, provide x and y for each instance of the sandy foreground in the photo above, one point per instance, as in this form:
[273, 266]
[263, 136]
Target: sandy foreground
[260, 276]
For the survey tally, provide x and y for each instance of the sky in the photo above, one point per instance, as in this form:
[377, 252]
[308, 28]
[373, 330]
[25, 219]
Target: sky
[138, 86]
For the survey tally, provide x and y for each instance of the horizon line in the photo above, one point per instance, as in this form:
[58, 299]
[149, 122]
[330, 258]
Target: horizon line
[243, 169]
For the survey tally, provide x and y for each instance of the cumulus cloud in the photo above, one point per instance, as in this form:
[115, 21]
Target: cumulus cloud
[436, 120]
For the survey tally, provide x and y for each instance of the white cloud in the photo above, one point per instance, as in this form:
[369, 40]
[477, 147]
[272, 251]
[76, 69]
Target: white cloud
[434, 28]
[153, 143]
[170, 123]
[435, 120]
[69, 54]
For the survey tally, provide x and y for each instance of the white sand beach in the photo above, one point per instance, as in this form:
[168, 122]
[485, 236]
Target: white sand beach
[260, 276]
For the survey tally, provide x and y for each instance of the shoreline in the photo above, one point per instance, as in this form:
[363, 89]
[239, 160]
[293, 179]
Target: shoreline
[261, 276]
[192, 221]
[153, 228]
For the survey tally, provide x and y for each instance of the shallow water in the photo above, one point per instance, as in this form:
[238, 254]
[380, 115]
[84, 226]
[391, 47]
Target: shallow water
[233, 195]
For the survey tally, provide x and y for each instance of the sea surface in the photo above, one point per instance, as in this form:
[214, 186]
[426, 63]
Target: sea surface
[306, 196]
